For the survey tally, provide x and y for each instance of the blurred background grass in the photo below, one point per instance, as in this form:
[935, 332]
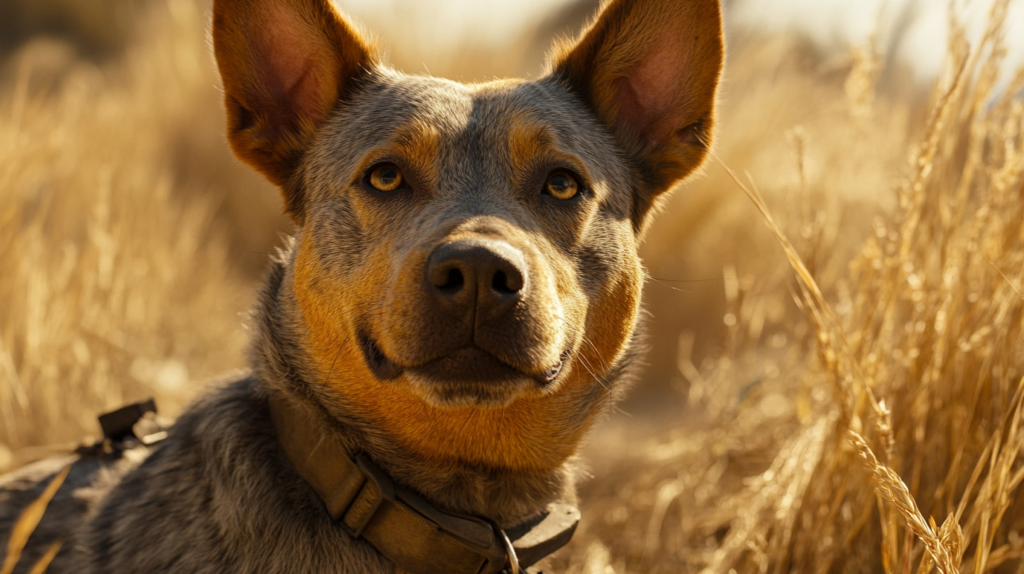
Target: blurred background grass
[131, 243]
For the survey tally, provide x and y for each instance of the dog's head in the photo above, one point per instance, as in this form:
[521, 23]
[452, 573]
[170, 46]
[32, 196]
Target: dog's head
[466, 267]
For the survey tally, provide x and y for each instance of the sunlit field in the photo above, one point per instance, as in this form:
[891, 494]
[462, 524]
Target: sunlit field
[834, 382]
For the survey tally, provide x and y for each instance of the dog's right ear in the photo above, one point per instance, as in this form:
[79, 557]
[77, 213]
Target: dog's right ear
[284, 65]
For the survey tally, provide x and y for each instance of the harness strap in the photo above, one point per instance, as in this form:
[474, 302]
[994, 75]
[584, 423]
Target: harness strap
[403, 526]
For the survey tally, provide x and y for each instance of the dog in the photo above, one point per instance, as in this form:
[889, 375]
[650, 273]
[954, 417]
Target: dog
[460, 302]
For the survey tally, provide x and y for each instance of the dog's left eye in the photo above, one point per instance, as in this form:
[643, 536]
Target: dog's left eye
[561, 185]
[386, 177]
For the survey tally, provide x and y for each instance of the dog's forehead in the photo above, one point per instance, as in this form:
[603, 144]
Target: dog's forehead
[451, 124]
[396, 101]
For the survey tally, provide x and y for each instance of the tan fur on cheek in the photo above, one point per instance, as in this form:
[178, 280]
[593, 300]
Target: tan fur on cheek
[323, 308]
[612, 318]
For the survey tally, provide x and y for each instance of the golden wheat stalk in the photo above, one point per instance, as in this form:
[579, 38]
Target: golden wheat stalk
[28, 521]
[944, 543]
[44, 562]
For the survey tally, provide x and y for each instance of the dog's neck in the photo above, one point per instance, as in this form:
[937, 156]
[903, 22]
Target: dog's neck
[504, 496]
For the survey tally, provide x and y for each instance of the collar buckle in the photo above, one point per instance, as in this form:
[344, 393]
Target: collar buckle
[510, 552]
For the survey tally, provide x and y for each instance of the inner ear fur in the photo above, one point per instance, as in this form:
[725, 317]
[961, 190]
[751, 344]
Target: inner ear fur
[284, 65]
[650, 70]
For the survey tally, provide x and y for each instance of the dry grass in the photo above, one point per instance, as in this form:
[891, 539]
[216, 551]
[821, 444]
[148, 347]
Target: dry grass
[916, 347]
[866, 419]
[115, 283]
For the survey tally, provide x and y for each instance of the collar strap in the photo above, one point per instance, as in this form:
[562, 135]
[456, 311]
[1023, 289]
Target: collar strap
[402, 525]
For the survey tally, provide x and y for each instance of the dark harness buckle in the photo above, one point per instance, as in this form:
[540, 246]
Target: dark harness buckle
[119, 425]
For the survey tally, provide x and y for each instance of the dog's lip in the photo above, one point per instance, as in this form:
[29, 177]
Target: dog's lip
[542, 379]
[386, 369]
[383, 367]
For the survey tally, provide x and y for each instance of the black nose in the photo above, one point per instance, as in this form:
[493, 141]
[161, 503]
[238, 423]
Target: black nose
[476, 274]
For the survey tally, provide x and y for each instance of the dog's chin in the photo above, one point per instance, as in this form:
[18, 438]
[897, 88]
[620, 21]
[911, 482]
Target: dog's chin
[467, 377]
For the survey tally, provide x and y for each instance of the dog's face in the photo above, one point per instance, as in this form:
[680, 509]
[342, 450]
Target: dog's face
[466, 267]
[464, 236]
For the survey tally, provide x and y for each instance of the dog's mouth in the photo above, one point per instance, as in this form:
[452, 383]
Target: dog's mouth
[464, 368]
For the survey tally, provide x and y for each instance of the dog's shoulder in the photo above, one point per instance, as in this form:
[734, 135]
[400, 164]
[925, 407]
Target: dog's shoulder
[217, 496]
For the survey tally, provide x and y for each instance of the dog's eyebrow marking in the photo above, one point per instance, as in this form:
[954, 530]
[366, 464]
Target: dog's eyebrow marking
[416, 145]
[526, 139]
[532, 143]
[417, 138]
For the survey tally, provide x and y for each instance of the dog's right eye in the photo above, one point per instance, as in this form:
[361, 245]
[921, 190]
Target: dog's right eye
[385, 177]
[561, 185]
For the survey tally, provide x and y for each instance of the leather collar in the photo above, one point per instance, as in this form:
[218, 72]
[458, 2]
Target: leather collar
[402, 525]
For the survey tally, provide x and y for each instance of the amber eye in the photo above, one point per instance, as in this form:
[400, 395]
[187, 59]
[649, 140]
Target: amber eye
[562, 186]
[386, 177]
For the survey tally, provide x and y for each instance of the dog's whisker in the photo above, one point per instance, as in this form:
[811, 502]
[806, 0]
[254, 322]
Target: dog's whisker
[323, 382]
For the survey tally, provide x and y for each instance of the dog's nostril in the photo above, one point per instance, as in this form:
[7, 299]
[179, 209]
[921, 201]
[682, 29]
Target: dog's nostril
[454, 281]
[498, 283]
[506, 285]
[446, 278]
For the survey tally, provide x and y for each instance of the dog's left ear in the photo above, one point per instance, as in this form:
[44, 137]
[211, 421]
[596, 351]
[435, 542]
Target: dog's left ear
[649, 69]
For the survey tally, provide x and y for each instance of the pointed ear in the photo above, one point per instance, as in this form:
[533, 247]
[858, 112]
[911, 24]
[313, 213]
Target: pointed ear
[284, 65]
[649, 69]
